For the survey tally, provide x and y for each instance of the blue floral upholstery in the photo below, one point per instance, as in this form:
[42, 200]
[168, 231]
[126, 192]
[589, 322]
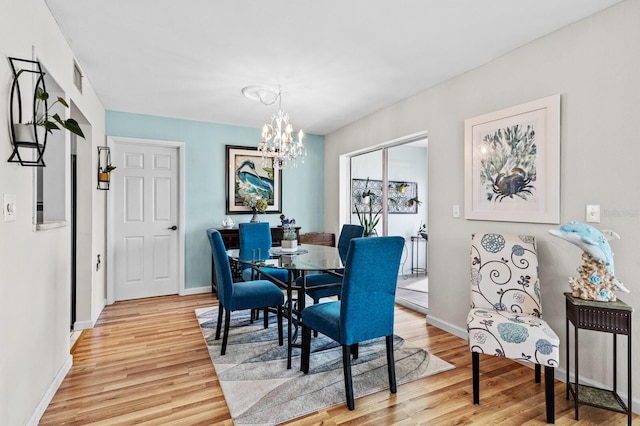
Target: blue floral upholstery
[506, 310]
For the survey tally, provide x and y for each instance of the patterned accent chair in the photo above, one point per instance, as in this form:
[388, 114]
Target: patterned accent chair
[506, 311]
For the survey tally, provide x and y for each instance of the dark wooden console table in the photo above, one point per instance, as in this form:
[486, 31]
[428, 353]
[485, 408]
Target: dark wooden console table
[608, 317]
[231, 240]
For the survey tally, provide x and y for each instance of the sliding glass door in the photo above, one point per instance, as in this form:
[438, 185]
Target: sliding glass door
[407, 189]
[367, 196]
[389, 189]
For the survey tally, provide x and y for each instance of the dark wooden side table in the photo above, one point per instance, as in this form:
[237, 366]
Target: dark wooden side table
[608, 317]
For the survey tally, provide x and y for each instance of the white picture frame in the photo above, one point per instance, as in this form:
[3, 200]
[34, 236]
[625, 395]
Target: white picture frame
[512, 163]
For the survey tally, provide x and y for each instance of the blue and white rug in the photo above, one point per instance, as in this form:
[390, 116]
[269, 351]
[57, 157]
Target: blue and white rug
[259, 389]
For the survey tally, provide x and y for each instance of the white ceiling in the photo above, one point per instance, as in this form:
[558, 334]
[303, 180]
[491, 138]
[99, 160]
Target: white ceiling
[335, 60]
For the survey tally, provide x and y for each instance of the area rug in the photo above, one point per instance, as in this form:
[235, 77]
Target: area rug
[259, 389]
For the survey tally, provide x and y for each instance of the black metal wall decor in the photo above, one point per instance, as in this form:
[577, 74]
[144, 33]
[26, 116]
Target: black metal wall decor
[104, 168]
[402, 196]
[24, 134]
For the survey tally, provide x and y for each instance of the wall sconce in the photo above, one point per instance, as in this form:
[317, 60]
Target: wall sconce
[104, 168]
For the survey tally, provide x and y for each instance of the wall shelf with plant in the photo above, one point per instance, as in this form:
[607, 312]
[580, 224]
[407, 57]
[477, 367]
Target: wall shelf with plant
[29, 131]
[104, 167]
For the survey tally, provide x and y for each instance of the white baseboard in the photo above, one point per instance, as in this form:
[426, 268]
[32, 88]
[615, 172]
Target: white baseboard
[48, 396]
[196, 290]
[83, 325]
[448, 327]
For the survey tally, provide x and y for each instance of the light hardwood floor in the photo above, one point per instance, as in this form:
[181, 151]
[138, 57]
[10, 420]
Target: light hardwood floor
[146, 362]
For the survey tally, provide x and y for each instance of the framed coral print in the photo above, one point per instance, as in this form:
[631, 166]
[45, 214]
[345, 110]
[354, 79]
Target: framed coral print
[512, 163]
[247, 177]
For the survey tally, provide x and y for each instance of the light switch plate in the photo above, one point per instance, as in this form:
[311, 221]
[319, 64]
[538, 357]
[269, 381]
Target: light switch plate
[456, 211]
[593, 213]
[9, 207]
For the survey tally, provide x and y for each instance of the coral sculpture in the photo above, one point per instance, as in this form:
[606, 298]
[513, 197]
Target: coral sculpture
[596, 279]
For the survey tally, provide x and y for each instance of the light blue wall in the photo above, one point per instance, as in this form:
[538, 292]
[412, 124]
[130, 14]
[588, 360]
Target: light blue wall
[302, 187]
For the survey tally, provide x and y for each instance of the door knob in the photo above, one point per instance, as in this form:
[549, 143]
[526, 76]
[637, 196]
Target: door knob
[173, 228]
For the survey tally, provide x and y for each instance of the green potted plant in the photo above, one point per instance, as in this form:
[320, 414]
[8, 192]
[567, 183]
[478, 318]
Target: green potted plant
[422, 231]
[402, 187]
[413, 201]
[368, 219]
[104, 175]
[24, 131]
[289, 238]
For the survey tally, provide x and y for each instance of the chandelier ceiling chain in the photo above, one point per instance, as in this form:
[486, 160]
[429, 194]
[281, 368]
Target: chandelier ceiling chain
[278, 141]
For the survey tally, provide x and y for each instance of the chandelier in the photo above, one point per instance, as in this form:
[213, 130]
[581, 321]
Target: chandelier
[278, 141]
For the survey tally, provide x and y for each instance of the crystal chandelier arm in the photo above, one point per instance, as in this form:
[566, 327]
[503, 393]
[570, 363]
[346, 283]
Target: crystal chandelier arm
[278, 142]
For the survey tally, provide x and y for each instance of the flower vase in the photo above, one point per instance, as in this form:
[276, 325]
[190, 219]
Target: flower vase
[254, 219]
[289, 245]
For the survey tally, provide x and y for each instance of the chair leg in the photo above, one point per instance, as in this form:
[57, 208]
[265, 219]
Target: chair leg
[225, 337]
[475, 367]
[266, 317]
[537, 368]
[280, 333]
[391, 364]
[306, 349]
[549, 387]
[354, 350]
[315, 332]
[218, 326]
[348, 385]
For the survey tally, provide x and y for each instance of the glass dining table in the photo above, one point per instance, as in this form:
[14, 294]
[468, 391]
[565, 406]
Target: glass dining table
[306, 259]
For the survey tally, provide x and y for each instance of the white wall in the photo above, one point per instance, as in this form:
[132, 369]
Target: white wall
[35, 266]
[594, 65]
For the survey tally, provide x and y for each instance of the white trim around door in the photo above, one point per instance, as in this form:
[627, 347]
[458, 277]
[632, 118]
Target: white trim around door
[112, 141]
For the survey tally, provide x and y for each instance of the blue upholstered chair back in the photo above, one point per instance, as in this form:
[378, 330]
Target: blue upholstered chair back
[254, 236]
[369, 288]
[504, 273]
[222, 269]
[348, 233]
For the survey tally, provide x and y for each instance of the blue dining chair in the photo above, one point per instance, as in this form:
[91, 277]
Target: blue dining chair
[347, 233]
[365, 310]
[258, 294]
[255, 242]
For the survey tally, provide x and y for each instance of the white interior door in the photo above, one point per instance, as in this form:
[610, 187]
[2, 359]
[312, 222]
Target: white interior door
[145, 220]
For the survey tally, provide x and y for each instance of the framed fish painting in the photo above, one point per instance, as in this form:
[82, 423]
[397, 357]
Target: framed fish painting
[512, 163]
[249, 179]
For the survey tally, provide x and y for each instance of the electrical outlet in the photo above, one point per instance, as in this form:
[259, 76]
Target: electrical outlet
[456, 211]
[593, 213]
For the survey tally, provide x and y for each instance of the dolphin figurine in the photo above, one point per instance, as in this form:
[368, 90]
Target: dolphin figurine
[591, 241]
